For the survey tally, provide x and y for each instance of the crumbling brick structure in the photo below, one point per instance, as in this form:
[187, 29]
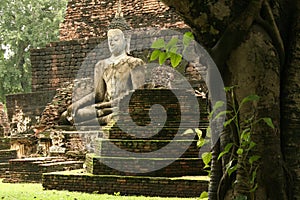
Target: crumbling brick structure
[4, 123]
[90, 18]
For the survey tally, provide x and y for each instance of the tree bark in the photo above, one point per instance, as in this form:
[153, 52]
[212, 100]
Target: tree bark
[251, 38]
[291, 107]
[255, 70]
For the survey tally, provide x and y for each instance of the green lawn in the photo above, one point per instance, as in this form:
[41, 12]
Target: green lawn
[36, 192]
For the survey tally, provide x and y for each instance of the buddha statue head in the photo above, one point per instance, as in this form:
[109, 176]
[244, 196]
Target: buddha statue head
[119, 29]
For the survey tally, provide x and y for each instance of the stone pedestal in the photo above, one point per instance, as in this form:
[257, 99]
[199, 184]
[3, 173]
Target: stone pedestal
[124, 150]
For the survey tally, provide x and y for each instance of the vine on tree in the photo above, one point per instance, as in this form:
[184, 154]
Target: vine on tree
[242, 159]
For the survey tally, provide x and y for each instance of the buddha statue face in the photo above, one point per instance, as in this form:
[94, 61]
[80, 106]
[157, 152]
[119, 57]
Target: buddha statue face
[116, 42]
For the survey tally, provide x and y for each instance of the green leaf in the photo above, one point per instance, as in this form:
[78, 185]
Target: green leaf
[188, 131]
[245, 134]
[240, 151]
[155, 54]
[226, 150]
[206, 158]
[224, 112]
[222, 154]
[253, 176]
[226, 123]
[187, 38]
[204, 195]
[208, 132]
[254, 188]
[252, 97]
[251, 145]
[217, 105]
[228, 147]
[158, 44]
[172, 43]
[162, 57]
[201, 142]
[253, 159]
[232, 169]
[174, 49]
[269, 122]
[175, 59]
[199, 132]
[228, 89]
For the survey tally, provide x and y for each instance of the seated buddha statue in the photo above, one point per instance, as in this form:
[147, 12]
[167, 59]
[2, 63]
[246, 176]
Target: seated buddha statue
[113, 78]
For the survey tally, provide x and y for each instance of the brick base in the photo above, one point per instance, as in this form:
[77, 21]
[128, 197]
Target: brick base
[4, 170]
[171, 167]
[4, 143]
[7, 154]
[31, 169]
[126, 185]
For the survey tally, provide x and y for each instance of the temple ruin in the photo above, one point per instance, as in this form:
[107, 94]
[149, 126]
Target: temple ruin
[65, 157]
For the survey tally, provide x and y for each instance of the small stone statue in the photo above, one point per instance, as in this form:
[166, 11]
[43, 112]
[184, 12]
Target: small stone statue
[57, 142]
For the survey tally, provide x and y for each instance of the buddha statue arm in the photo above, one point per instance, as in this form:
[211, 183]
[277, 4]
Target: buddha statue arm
[77, 104]
[96, 96]
[100, 87]
[138, 75]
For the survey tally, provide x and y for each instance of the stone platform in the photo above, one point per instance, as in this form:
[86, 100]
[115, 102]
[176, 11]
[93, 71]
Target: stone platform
[5, 155]
[177, 167]
[4, 143]
[30, 170]
[120, 159]
[4, 169]
[78, 180]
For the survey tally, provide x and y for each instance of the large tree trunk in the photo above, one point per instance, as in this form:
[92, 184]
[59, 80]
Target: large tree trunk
[291, 107]
[249, 52]
[254, 66]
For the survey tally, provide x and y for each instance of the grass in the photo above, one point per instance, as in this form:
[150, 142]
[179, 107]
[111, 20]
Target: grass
[31, 191]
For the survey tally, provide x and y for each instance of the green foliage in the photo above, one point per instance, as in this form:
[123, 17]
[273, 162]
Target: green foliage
[163, 51]
[206, 158]
[226, 150]
[25, 24]
[241, 197]
[204, 196]
[117, 194]
[241, 158]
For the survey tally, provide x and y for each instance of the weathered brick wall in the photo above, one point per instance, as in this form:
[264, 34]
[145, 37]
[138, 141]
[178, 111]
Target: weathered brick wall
[32, 104]
[126, 185]
[90, 18]
[141, 146]
[141, 101]
[178, 167]
[31, 169]
[60, 62]
[4, 123]
[7, 154]
[152, 139]
[4, 143]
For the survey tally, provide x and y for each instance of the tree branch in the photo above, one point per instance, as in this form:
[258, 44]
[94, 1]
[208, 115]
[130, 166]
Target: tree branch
[234, 34]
